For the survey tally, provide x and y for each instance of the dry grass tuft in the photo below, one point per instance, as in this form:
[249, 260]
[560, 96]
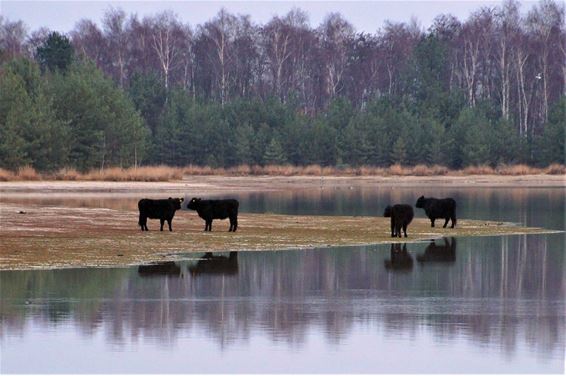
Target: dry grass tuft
[241, 170]
[68, 174]
[478, 170]
[312, 170]
[277, 170]
[146, 174]
[518, 169]
[6, 175]
[27, 173]
[203, 170]
[399, 170]
[555, 169]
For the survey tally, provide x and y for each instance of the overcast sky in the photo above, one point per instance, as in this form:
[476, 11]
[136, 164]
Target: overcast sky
[367, 16]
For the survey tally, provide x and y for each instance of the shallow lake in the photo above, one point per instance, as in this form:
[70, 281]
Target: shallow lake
[464, 305]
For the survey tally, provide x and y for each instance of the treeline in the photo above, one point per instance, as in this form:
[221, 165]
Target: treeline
[489, 90]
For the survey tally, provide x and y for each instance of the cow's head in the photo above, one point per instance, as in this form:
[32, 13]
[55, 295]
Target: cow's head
[420, 202]
[193, 204]
[176, 202]
[387, 212]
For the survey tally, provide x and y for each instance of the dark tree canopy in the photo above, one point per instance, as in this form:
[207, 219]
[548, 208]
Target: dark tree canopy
[56, 53]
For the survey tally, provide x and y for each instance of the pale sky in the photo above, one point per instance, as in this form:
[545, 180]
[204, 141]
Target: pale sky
[366, 16]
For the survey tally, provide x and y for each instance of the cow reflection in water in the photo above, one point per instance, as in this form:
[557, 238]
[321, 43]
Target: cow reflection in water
[210, 264]
[439, 253]
[400, 259]
[159, 269]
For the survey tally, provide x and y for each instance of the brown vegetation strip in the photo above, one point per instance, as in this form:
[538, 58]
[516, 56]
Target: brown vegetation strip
[167, 173]
[52, 237]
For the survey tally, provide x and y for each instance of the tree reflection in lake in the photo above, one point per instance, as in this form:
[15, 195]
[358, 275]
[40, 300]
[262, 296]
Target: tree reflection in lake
[499, 292]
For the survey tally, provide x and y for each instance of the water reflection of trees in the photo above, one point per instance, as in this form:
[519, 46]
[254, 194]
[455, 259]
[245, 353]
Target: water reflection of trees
[497, 291]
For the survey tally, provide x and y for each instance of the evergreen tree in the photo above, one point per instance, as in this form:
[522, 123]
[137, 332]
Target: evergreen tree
[399, 151]
[56, 53]
[15, 106]
[243, 137]
[274, 154]
[104, 127]
[550, 145]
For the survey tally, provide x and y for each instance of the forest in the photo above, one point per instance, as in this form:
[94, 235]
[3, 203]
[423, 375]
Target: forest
[125, 91]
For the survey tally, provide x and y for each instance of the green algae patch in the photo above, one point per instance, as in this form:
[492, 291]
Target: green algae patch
[62, 237]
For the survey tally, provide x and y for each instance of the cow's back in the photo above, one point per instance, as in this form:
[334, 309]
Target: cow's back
[222, 209]
[440, 207]
[155, 208]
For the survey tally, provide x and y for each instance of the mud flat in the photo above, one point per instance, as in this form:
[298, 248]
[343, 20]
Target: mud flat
[61, 237]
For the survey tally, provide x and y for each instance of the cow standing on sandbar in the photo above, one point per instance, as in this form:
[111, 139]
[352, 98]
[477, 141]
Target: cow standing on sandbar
[216, 209]
[401, 216]
[164, 210]
[438, 208]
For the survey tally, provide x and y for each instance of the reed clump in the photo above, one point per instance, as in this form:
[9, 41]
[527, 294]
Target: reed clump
[519, 169]
[7, 175]
[145, 174]
[478, 170]
[555, 169]
[27, 173]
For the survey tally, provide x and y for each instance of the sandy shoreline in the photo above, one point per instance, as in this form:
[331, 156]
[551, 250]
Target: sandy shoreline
[221, 184]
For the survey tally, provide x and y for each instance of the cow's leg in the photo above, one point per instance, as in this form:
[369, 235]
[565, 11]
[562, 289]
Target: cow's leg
[405, 229]
[446, 222]
[141, 222]
[169, 223]
[432, 222]
[233, 224]
[398, 230]
[453, 219]
[392, 228]
[162, 223]
[145, 225]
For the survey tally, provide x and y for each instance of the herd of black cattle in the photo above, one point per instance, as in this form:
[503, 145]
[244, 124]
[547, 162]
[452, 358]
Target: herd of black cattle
[401, 214]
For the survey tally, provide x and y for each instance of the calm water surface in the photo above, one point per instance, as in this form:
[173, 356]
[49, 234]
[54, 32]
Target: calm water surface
[465, 305]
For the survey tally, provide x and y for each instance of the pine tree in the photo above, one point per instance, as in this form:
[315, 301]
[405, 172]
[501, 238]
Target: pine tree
[56, 53]
[274, 154]
[243, 144]
[399, 151]
[15, 113]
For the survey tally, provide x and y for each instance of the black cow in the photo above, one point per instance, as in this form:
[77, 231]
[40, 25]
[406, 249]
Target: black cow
[216, 209]
[401, 215]
[400, 259]
[164, 210]
[210, 264]
[438, 208]
[439, 253]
